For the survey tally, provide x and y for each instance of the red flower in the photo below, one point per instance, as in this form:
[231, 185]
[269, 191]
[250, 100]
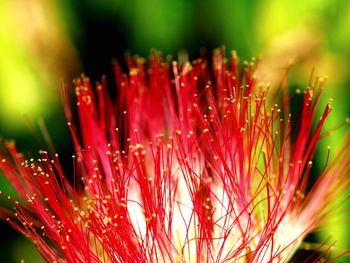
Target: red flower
[191, 163]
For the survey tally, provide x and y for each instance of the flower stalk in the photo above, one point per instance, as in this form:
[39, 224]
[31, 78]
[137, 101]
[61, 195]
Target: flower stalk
[192, 162]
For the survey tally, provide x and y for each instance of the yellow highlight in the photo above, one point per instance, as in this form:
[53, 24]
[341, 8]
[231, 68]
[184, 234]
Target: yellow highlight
[20, 94]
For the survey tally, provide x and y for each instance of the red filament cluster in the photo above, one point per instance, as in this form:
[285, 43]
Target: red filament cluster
[192, 162]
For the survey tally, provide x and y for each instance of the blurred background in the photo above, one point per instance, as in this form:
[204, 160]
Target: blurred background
[43, 42]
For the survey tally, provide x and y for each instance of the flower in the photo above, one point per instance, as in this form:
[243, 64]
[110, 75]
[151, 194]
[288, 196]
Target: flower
[191, 163]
